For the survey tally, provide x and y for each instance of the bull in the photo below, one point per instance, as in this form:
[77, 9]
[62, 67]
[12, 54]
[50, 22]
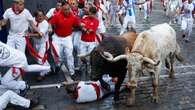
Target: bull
[100, 66]
[151, 49]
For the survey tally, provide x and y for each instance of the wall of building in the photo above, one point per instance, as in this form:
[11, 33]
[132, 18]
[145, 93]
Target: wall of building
[32, 5]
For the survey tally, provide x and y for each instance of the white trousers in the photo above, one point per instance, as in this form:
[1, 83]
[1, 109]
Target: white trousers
[186, 26]
[129, 21]
[101, 27]
[17, 42]
[13, 98]
[86, 47]
[76, 37]
[14, 58]
[64, 48]
[41, 49]
[10, 80]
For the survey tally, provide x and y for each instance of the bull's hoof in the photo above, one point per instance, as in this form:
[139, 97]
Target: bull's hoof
[171, 74]
[106, 86]
[130, 102]
[115, 102]
[155, 99]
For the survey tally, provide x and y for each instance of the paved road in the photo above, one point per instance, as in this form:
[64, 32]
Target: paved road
[175, 94]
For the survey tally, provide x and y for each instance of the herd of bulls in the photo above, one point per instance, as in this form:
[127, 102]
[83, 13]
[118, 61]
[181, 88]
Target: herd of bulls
[135, 54]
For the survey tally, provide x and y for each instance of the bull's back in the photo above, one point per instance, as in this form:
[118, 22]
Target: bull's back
[130, 37]
[159, 39]
[115, 45]
[164, 35]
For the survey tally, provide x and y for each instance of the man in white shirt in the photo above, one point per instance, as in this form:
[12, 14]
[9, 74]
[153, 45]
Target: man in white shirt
[101, 11]
[187, 19]
[129, 20]
[41, 41]
[53, 11]
[11, 57]
[13, 98]
[20, 19]
[14, 58]
[10, 86]
[12, 80]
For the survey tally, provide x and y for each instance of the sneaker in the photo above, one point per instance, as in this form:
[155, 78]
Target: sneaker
[34, 102]
[57, 69]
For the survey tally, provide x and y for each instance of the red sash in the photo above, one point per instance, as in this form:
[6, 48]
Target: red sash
[34, 53]
[56, 57]
[14, 71]
[97, 89]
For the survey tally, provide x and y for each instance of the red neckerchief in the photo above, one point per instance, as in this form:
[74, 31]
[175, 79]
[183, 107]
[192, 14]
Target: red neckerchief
[37, 23]
[56, 11]
[16, 12]
[22, 72]
[75, 11]
[97, 6]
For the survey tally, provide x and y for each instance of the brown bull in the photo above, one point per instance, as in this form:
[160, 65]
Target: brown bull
[100, 66]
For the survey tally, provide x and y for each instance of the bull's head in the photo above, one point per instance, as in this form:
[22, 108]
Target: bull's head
[137, 63]
[94, 74]
[95, 63]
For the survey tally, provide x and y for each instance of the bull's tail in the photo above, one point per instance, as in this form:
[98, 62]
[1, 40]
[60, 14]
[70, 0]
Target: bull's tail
[178, 55]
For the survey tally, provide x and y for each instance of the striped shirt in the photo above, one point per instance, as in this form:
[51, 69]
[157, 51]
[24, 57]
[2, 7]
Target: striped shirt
[130, 8]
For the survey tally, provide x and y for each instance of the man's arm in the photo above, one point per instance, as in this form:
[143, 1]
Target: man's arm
[36, 35]
[36, 29]
[3, 22]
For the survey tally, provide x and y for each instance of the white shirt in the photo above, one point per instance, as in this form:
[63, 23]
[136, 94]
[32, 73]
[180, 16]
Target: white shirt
[43, 28]
[188, 7]
[19, 23]
[100, 14]
[10, 57]
[50, 13]
[146, 5]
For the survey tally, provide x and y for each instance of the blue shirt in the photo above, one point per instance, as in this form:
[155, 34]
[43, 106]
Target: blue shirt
[129, 4]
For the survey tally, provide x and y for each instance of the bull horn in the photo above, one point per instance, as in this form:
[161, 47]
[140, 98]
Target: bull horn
[108, 56]
[151, 61]
[83, 55]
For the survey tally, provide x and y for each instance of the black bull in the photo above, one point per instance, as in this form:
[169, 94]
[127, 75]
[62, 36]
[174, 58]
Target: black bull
[99, 66]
